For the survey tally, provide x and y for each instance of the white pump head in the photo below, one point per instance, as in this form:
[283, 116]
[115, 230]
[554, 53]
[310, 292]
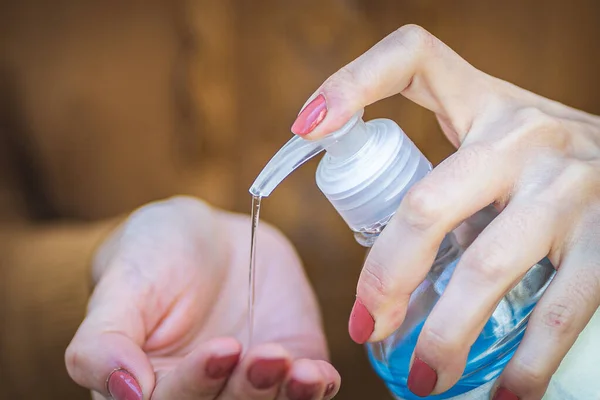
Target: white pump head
[297, 151]
[365, 173]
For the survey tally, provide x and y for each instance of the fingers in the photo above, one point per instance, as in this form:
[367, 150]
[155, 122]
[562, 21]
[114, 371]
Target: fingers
[106, 356]
[267, 372]
[202, 374]
[331, 378]
[527, 230]
[305, 381]
[517, 239]
[260, 374]
[463, 184]
[205, 375]
[564, 310]
[410, 61]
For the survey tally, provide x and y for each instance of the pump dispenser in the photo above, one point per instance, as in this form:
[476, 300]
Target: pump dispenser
[365, 173]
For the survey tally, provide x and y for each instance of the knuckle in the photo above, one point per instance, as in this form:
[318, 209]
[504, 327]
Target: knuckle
[488, 269]
[416, 38]
[341, 79]
[73, 361]
[559, 317]
[527, 375]
[349, 82]
[577, 182]
[469, 158]
[536, 119]
[580, 174]
[422, 208]
[486, 264]
[71, 358]
[372, 282]
[438, 344]
[475, 153]
[536, 126]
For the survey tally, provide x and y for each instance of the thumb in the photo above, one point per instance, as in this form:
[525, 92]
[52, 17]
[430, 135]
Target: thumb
[410, 61]
[141, 269]
[106, 355]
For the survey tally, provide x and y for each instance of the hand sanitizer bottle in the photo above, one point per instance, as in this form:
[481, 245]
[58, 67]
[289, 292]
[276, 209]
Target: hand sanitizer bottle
[366, 171]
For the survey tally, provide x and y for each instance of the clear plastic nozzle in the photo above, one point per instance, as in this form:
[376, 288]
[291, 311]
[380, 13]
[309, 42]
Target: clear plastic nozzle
[297, 151]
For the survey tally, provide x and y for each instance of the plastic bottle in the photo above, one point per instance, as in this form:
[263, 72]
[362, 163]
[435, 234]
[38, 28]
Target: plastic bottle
[366, 171]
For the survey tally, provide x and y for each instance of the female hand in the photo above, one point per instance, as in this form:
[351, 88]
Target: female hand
[536, 160]
[169, 312]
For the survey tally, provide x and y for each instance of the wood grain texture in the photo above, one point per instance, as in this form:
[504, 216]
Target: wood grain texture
[109, 105]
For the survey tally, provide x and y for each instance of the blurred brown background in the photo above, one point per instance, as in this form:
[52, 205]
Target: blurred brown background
[107, 105]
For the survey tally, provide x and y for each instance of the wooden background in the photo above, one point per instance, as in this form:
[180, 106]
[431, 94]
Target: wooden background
[120, 103]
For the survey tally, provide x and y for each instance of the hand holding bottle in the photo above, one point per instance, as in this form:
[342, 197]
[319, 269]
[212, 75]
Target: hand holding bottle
[535, 160]
[168, 316]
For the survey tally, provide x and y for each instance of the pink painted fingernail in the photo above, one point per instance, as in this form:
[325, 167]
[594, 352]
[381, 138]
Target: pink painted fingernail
[297, 390]
[221, 367]
[421, 378]
[361, 324]
[504, 394]
[264, 374]
[310, 116]
[123, 386]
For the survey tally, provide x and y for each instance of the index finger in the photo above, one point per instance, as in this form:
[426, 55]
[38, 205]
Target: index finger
[409, 61]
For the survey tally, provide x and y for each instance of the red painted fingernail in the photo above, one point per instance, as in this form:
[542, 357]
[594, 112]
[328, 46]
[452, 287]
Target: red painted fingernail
[265, 374]
[422, 378]
[221, 367]
[310, 116]
[329, 389]
[361, 324]
[123, 386]
[504, 394]
[297, 390]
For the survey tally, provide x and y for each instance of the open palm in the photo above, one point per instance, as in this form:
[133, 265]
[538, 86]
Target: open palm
[168, 317]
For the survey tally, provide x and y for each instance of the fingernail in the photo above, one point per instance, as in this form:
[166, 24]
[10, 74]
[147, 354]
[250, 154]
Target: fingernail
[265, 374]
[504, 394]
[123, 386]
[310, 116]
[221, 367]
[361, 324]
[297, 390]
[422, 378]
[329, 389]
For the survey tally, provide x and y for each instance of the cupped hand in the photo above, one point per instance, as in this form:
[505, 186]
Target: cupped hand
[537, 161]
[168, 316]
